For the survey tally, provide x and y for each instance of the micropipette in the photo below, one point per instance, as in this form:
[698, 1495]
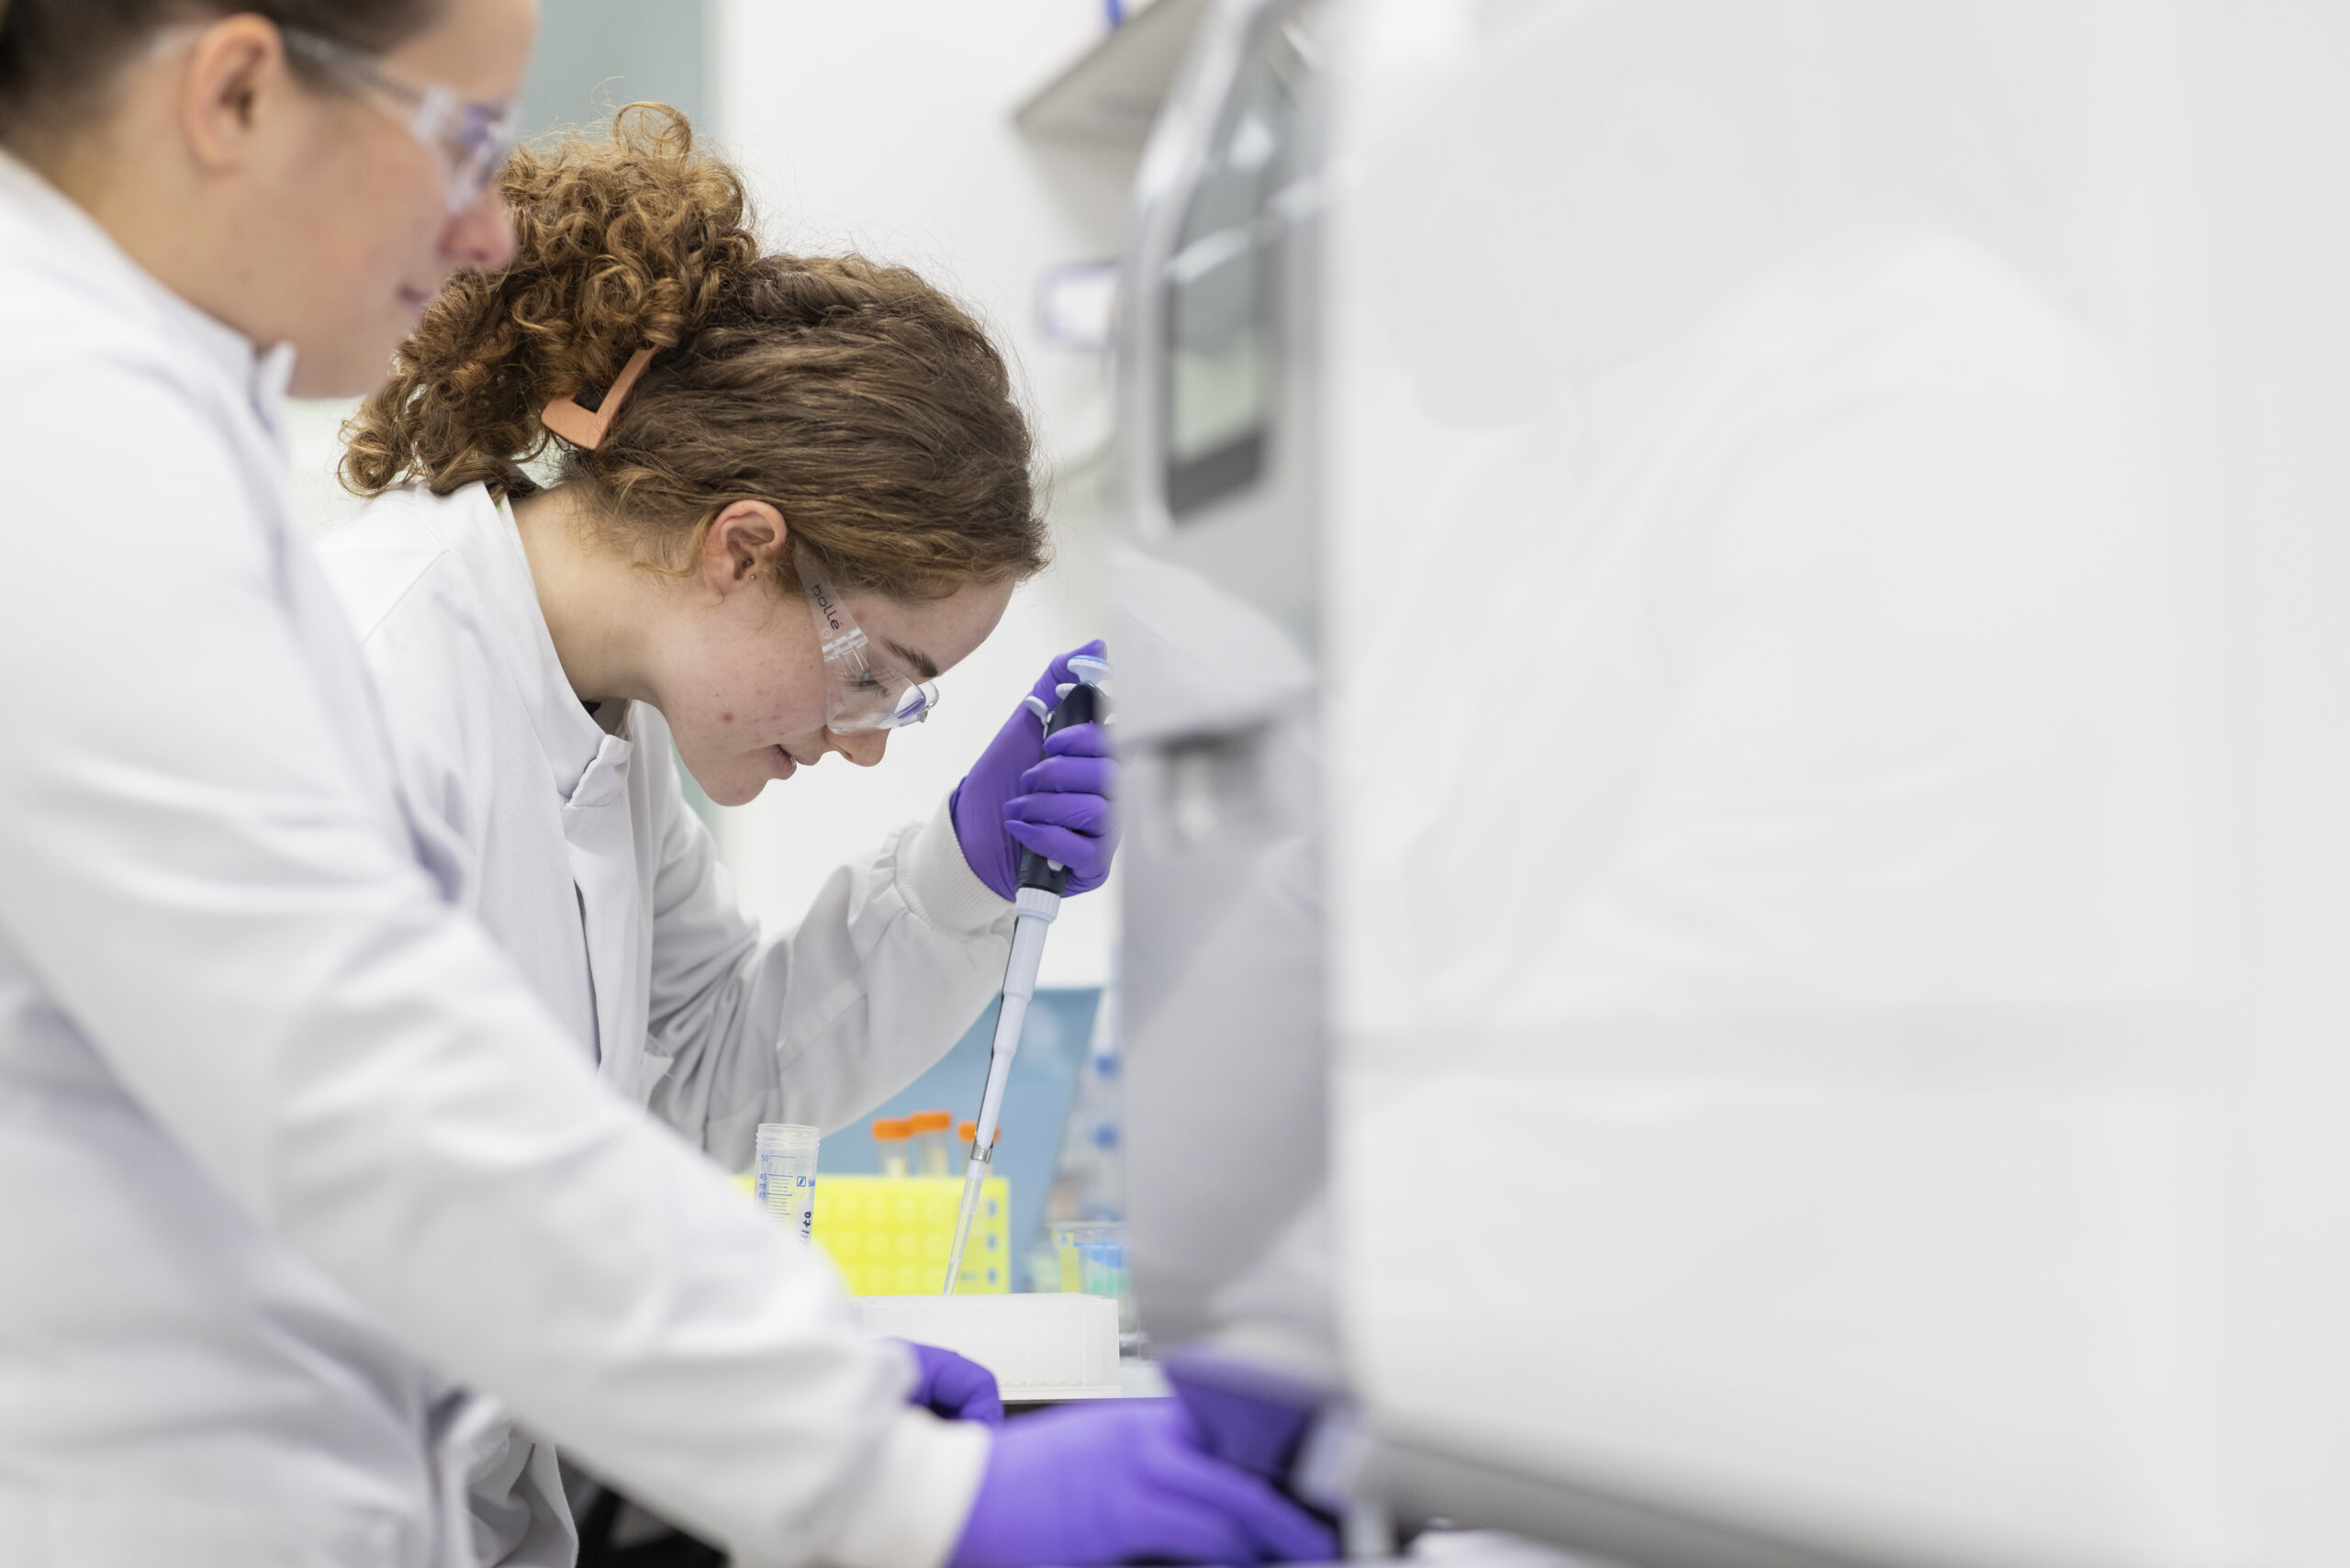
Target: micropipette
[1037, 901]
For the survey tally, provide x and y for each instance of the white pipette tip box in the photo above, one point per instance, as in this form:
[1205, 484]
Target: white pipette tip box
[1040, 1346]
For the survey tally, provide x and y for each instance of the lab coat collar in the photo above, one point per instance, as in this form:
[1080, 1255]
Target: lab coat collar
[50, 226]
[481, 531]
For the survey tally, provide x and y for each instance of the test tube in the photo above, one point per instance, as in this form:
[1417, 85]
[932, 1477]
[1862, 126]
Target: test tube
[1093, 1263]
[890, 1136]
[931, 1155]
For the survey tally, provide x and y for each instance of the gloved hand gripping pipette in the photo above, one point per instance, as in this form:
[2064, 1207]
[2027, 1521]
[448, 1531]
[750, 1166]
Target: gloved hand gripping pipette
[1036, 901]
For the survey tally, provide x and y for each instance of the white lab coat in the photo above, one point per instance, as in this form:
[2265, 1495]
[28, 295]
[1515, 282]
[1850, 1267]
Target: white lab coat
[1841, 607]
[584, 861]
[290, 1151]
[1795, 926]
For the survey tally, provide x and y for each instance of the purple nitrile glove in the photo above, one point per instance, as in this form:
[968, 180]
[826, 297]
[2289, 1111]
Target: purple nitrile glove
[1026, 792]
[1253, 1415]
[952, 1387]
[1115, 1481]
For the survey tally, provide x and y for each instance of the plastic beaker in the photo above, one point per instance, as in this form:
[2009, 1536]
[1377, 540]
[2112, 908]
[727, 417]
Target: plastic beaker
[786, 1172]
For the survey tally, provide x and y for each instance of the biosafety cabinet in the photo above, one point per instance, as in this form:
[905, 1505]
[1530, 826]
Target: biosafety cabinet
[1738, 703]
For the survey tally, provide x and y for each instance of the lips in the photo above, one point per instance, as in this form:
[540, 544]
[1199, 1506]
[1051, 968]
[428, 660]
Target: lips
[785, 764]
[417, 300]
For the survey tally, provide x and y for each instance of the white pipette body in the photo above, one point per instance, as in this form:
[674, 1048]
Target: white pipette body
[1035, 909]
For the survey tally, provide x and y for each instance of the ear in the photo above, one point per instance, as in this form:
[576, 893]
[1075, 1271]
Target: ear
[237, 69]
[743, 545]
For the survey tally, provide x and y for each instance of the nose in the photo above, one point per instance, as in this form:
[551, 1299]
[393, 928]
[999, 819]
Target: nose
[481, 237]
[863, 748]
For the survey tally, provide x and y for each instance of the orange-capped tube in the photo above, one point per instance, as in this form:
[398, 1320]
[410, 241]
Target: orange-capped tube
[890, 1136]
[928, 1154]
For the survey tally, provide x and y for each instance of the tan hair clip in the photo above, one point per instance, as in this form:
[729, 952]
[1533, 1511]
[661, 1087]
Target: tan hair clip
[577, 425]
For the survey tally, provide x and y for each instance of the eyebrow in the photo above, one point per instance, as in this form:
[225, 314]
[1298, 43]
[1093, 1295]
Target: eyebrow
[912, 658]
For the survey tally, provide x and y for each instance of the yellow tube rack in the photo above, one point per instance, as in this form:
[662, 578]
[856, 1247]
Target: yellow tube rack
[890, 1235]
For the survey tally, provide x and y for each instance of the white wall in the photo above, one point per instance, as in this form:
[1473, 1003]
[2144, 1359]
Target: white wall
[885, 125]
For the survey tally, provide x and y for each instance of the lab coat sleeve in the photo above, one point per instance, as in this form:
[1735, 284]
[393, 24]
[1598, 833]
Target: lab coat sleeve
[896, 956]
[190, 865]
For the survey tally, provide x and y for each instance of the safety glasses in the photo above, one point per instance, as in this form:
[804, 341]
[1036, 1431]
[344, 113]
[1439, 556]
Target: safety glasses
[473, 140]
[863, 691]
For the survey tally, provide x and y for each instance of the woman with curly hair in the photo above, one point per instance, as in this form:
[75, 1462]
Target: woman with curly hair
[787, 495]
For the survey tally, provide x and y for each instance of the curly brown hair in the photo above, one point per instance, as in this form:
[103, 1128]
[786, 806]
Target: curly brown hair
[863, 404]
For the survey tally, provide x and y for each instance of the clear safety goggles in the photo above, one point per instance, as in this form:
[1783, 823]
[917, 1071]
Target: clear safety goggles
[471, 139]
[863, 691]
